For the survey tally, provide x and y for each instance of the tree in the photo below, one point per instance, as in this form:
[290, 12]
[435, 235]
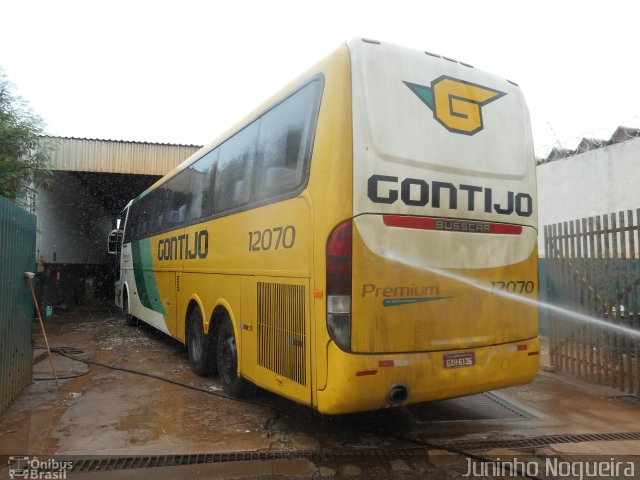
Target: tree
[23, 147]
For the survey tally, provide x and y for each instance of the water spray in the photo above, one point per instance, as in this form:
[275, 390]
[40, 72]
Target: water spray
[529, 301]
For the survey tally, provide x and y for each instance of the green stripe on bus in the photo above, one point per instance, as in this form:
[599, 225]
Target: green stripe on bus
[144, 276]
[394, 302]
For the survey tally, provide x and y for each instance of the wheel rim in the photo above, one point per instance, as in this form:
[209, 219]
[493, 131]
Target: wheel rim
[125, 307]
[195, 340]
[229, 359]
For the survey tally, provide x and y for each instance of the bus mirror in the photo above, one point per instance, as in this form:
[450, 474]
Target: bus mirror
[113, 244]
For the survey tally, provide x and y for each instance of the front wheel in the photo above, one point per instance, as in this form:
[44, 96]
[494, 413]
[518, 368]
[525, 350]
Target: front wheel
[232, 384]
[128, 318]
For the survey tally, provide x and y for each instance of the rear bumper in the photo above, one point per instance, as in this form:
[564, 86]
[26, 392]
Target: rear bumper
[353, 387]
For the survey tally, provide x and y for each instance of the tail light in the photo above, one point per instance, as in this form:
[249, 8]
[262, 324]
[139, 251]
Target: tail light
[339, 285]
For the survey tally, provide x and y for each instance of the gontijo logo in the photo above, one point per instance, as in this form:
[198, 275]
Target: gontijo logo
[456, 104]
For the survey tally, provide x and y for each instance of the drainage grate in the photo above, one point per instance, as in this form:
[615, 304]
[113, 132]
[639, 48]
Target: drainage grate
[127, 463]
[543, 441]
[483, 406]
[81, 464]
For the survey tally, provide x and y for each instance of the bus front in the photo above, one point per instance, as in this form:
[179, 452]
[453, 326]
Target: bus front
[425, 282]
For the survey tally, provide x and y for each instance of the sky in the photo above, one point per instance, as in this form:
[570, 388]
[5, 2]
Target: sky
[183, 71]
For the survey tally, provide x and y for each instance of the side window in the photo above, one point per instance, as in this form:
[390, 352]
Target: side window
[178, 198]
[267, 159]
[201, 180]
[232, 183]
[151, 209]
[142, 218]
[159, 212]
[284, 143]
[130, 226]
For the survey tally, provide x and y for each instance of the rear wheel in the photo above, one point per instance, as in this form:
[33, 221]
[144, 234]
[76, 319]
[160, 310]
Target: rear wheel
[233, 384]
[200, 346]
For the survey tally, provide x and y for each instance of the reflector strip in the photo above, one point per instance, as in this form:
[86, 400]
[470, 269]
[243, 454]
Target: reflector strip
[517, 348]
[393, 363]
[364, 373]
[531, 354]
[450, 225]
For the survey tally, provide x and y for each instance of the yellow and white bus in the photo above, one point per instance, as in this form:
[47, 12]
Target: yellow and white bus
[314, 249]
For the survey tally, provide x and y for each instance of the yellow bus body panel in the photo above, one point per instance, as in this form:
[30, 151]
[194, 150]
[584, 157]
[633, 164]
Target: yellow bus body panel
[415, 337]
[496, 366]
[331, 187]
[447, 314]
[237, 265]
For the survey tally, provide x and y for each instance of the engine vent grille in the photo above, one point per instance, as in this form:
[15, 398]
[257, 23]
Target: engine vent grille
[281, 330]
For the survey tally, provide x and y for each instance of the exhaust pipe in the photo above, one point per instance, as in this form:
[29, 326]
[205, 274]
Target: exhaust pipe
[398, 394]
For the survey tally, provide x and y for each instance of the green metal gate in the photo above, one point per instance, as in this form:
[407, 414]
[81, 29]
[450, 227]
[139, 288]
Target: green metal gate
[17, 255]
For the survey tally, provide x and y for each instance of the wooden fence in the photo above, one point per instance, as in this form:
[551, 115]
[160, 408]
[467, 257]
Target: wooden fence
[594, 269]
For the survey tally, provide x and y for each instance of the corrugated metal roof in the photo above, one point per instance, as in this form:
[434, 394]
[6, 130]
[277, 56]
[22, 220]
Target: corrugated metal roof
[116, 156]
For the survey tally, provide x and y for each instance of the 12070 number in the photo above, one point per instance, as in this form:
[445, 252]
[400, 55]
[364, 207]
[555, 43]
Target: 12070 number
[272, 238]
[514, 286]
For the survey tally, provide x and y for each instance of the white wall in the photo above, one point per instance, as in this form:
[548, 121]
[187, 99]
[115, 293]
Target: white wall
[596, 182]
[71, 223]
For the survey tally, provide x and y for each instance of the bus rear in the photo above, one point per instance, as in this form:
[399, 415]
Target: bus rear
[444, 221]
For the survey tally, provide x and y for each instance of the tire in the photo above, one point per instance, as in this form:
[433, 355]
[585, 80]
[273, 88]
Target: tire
[128, 318]
[227, 356]
[200, 346]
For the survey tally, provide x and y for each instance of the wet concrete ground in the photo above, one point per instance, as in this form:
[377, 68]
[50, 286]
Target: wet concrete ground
[104, 411]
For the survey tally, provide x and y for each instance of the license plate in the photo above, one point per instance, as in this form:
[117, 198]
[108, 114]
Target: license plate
[459, 360]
